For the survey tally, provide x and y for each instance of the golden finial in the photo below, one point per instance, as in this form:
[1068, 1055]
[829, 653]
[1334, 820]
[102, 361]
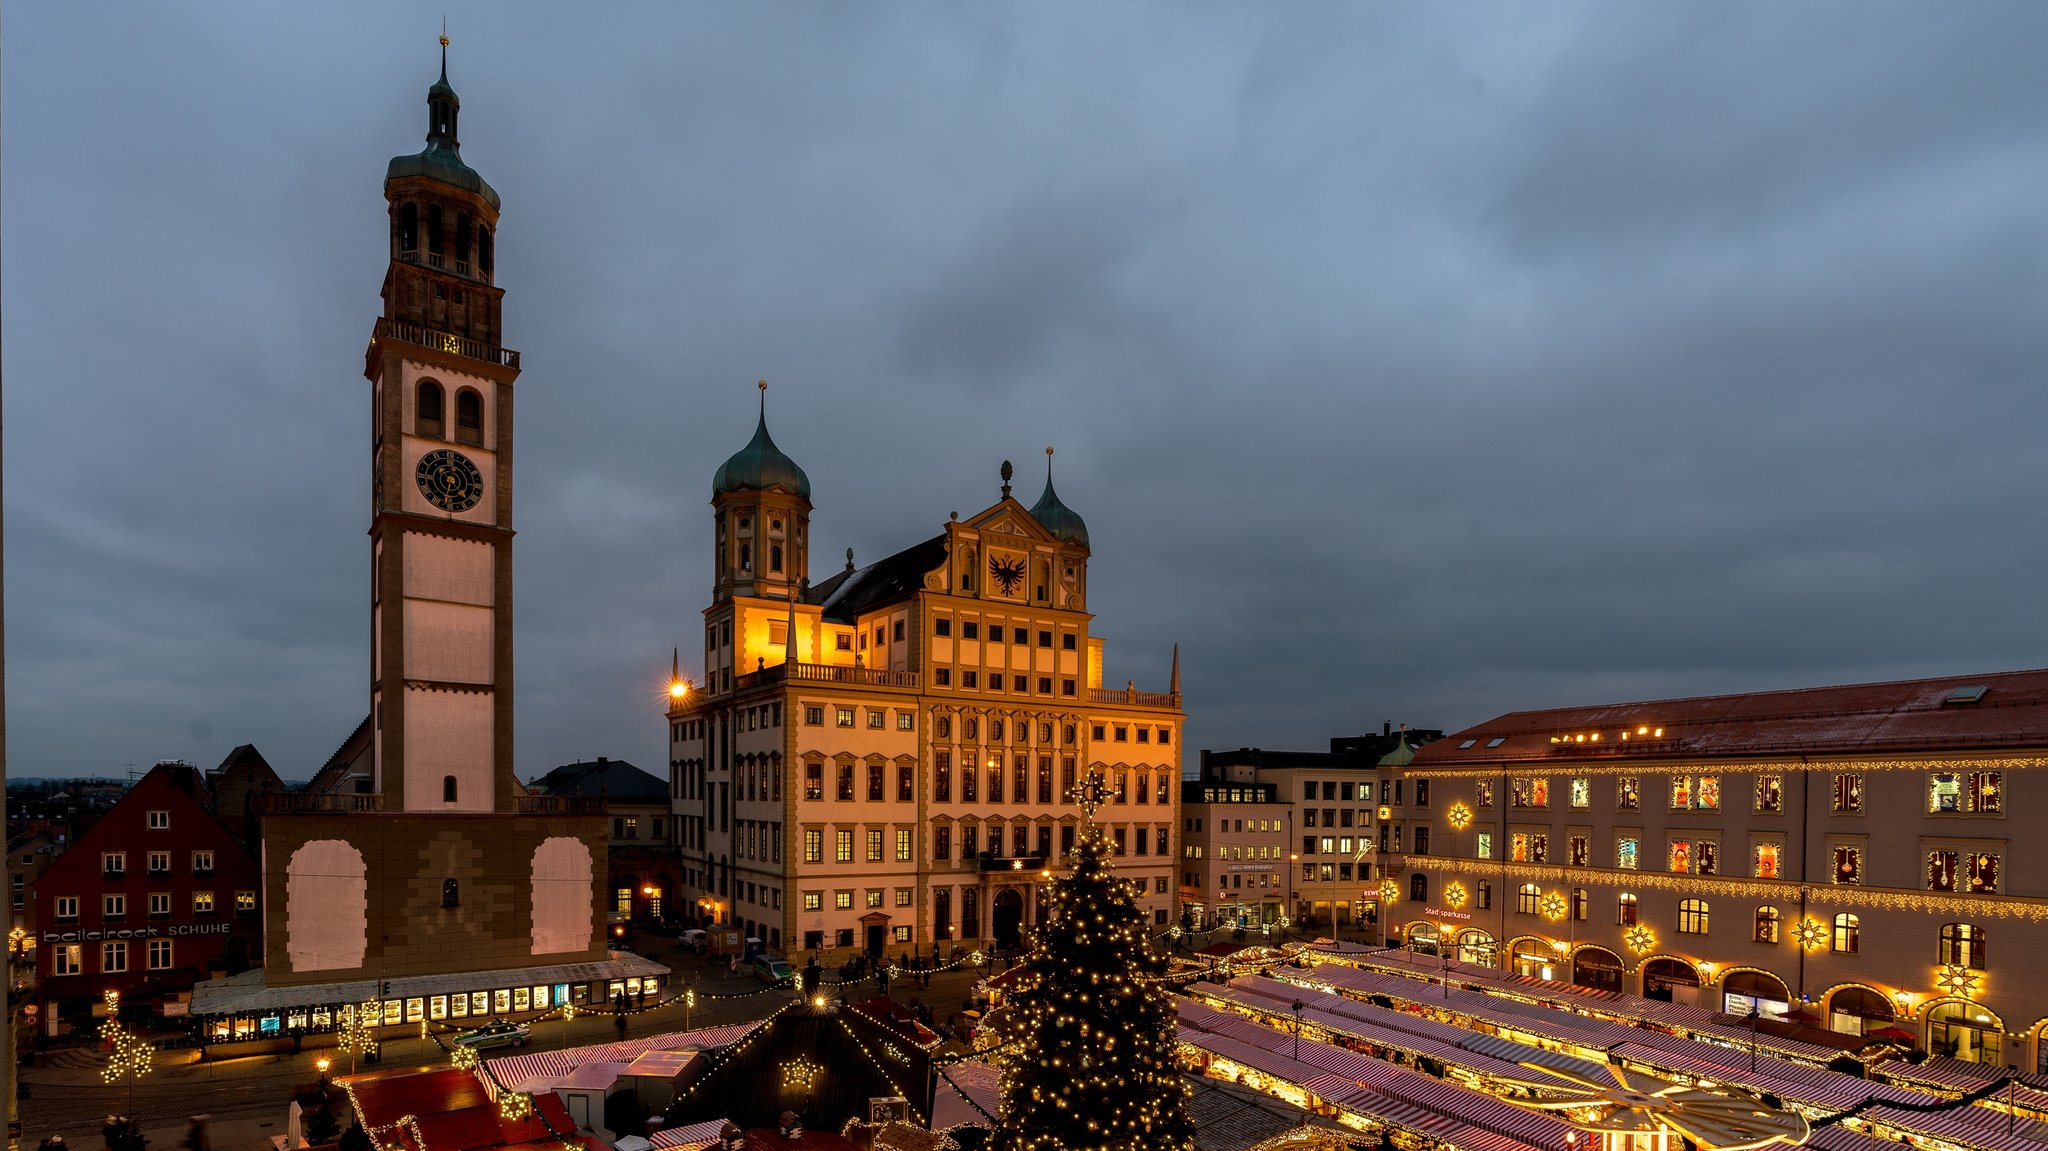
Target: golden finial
[444, 31]
[1048, 450]
[763, 385]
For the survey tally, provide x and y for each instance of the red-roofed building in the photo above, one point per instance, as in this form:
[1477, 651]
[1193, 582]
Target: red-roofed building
[451, 1111]
[1854, 850]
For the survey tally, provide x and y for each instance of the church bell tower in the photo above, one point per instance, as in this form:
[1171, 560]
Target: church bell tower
[441, 488]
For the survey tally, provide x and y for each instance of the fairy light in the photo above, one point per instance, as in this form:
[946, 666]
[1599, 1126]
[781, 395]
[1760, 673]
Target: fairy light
[463, 1056]
[515, 1105]
[800, 1074]
[129, 1056]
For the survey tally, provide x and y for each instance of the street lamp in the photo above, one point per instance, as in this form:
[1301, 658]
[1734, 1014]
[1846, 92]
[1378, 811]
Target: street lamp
[1296, 1008]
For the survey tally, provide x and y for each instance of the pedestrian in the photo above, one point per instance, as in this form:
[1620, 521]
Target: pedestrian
[195, 1135]
[619, 1022]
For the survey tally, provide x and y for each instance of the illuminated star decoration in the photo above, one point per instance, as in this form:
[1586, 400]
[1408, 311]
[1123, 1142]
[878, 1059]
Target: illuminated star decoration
[1957, 980]
[1090, 794]
[800, 1074]
[1554, 906]
[1641, 939]
[1459, 816]
[463, 1056]
[515, 1105]
[1390, 892]
[1455, 895]
[1811, 934]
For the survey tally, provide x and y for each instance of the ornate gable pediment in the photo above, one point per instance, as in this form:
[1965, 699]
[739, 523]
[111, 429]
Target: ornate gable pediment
[1009, 518]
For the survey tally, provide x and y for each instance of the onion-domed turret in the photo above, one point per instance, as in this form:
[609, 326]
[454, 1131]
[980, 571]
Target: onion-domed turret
[1062, 521]
[442, 158]
[761, 465]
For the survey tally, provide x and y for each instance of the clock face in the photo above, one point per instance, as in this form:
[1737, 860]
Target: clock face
[1008, 572]
[449, 480]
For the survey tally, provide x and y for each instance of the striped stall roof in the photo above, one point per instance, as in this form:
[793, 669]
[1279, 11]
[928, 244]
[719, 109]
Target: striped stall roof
[694, 1136]
[513, 1069]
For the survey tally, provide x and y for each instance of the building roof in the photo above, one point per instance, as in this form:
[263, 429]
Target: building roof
[614, 779]
[761, 465]
[844, 597]
[442, 158]
[1062, 521]
[2003, 710]
[336, 769]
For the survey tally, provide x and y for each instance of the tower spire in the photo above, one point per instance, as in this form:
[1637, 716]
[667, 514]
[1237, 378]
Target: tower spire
[444, 49]
[1174, 685]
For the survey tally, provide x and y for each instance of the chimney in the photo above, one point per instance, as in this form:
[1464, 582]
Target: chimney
[1386, 728]
[603, 760]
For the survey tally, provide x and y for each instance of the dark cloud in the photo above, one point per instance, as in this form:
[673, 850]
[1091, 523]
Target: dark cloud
[1408, 364]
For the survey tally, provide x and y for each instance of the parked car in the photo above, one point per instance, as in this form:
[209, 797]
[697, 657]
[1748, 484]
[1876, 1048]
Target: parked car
[773, 970]
[693, 940]
[499, 1034]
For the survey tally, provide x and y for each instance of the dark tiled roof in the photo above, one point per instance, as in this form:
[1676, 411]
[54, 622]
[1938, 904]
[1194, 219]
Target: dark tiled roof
[1903, 716]
[615, 779]
[848, 594]
[336, 768]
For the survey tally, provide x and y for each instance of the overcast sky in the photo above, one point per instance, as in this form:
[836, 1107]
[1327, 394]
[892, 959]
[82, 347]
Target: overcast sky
[1408, 362]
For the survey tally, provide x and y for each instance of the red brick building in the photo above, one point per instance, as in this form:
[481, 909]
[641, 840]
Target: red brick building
[151, 897]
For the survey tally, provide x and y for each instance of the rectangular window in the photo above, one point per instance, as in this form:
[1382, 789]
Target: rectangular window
[1482, 794]
[942, 625]
[1628, 794]
[1848, 795]
[159, 820]
[67, 959]
[1986, 792]
[943, 676]
[877, 720]
[1706, 857]
[159, 955]
[969, 629]
[814, 845]
[1529, 792]
[114, 863]
[159, 904]
[844, 787]
[942, 777]
[1848, 864]
[873, 896]
[969, 784]
[1581, 850]
[814, 781]
[903, 852]
[1695, 793]
[1627, 852]
[1770, 792]
[113, 906]
[814, 715]
[842, 846]
[1768, 861]
[905, 721]
[1485, 845]
[874, 845]
[845, 717]
[1681, 855]
[113, 957]
[1942, 865]
[969, 680]
[942, 843]
[814, 901]
[843, 900]
[906, 783]
[1582, 792]
[1983, 874]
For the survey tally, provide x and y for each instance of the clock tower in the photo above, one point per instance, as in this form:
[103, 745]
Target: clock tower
[441, 488]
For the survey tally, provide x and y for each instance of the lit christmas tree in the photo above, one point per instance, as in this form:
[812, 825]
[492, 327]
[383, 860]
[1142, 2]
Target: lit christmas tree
[1091, 1064]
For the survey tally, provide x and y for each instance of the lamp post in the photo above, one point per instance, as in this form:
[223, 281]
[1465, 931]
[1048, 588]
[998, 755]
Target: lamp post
[1752, 1037]
[1296, 1008]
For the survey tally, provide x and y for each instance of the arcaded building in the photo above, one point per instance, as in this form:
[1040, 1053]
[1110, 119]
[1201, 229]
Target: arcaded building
[890, 757]
[1854, 856]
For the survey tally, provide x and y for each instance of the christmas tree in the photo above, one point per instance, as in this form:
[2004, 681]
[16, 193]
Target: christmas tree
[1091, 1037]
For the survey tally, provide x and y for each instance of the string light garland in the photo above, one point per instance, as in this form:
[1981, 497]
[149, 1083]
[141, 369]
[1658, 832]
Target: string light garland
[1570, 767]
[1095, 1066]
[129, 1056]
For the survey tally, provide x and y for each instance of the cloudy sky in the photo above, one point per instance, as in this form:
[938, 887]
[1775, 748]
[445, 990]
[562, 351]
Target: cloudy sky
[1408, 362]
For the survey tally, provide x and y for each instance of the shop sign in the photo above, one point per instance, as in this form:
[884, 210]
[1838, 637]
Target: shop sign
[1445, 913]
[152, 931]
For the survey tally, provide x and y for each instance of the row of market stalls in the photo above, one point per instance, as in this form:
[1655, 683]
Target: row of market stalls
[1428, 1055]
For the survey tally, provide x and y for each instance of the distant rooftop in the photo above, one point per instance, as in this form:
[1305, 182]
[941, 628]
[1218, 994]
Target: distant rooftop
[614, 779]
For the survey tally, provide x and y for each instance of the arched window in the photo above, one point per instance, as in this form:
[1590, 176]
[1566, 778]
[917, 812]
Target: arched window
[746, 557]
[451, 893]
[447, 789]
[427, 409]
[434, 230]
[1692, 917]
[1962, 945]
[775, 557]
[1848, 933]
[1625, 910]
[469, 417]
[483, 250]
[1527, 897]
[1418, 887]
[408, 227]
[462, 235]
[1767, 924]
[1965, 1031]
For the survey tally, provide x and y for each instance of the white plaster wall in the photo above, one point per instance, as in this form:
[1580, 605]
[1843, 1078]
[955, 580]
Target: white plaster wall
[458, 571]
[562, 878]
[447, 641]
[327, 907]
[447, 733]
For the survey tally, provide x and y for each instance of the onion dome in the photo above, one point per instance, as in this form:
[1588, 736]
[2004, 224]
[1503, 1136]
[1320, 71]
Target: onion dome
[442, 159]
[761, 465]
[1062, 521]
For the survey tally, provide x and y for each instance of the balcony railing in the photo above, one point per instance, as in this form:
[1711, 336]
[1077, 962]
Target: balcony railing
[424, 337]
[1133, 696]
[560, 804]
[825, 673]
[318, 803]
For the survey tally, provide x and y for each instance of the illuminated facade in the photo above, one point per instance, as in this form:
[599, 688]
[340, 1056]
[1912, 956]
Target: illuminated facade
[887, 758]
[1850, 853]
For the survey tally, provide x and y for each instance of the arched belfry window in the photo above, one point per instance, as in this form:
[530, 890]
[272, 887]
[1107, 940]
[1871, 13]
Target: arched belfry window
[469, 417]
[483, 249]
[775, 557]
[408, 227]
[451, 893]
[448, 789]
[427, 409]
